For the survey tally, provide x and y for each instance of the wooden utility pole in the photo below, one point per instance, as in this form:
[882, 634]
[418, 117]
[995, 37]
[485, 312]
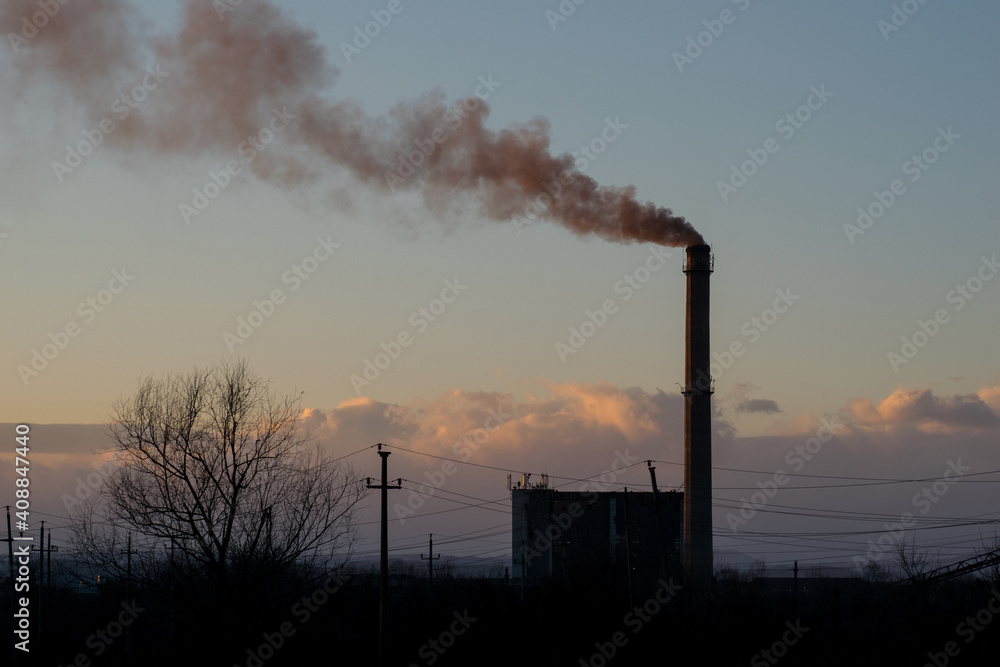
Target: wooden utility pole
[48, 575]
[628, 552]
[524, 571]
[13, 620]
[659, 519]
[430, 561]
[43, 577]
[128, 590]
[173, 578]
[383, 607]
[41, 582]
[795, 588]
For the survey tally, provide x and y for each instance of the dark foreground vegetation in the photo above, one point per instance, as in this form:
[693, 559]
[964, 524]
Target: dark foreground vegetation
[332, 619]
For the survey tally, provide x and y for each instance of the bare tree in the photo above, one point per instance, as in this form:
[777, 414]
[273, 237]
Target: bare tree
[914, 564]
[876, 573]
[217, 488]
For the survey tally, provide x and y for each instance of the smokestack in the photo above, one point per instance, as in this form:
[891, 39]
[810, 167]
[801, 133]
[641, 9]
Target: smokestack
[698, 420]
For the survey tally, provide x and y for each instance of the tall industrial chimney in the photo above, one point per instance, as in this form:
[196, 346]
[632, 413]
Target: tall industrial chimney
[698, 420]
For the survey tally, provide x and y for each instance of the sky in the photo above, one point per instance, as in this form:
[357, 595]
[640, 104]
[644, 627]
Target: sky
[178, 241]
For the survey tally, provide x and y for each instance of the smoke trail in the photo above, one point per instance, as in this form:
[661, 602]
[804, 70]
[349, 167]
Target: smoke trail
[227, 76]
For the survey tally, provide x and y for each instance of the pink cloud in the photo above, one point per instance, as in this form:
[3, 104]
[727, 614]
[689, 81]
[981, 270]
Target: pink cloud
[578, 423]
[920, 409]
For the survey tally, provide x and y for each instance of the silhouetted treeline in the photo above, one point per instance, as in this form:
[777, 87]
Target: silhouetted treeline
[313, 618]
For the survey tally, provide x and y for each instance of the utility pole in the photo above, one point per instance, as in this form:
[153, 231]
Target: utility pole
[659, 519]
[48, 575]
[41, 581]
[795, 588]
[128, 590]
[383, 607]
[44, 579]
[430, 561]
[13, 620]
[173, 577]
[524, 572]
[628, 552]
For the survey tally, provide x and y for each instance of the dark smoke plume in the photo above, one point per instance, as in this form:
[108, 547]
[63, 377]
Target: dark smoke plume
[225, 73]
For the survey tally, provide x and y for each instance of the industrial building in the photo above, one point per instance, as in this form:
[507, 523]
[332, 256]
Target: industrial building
[563, 534]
